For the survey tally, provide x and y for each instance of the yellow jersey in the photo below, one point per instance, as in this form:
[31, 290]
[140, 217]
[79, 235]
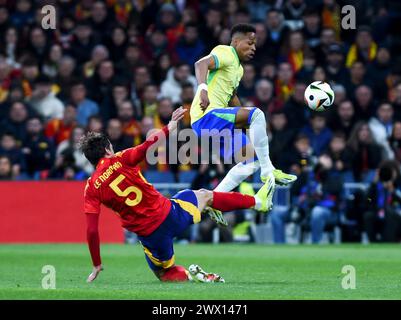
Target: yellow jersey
[221, 82]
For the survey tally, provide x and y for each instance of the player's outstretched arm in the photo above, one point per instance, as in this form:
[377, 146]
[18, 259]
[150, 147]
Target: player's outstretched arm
[94, 244]
[202, 67]
[135, 155]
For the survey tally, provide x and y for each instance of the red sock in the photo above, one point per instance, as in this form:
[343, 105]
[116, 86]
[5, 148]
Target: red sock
[228, 201]
[176, 273]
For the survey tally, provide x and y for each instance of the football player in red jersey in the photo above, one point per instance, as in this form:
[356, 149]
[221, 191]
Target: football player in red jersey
[118, 184]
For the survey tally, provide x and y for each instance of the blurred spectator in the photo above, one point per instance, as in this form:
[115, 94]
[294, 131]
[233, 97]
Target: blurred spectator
[337, 153]
[6, 172]
[189, 47]
[293, 11]
[29, 73]
[284, 84]
[65, 77]
[396, 101]
[364, 102]
[380, 69]
[38, 150]
[142, 77]
[161, 67]
[264, 98]
[100, 19]
[43, 100]
[149, 100]
[38, 45]
[356, 78]
[15, 122]
[277, 32]
[117, 43]
[131, 60]
[95, 124]
[59, 130]
[317, 132]
[24, 13]
[131, 127]
[312, 27]
[70, 163]
[335, 69]
[99, 54]
[211, 29]
[321, 196]
[295, 109]
[118, 139]
[382, 127]
[10, 46]
[364, 154]
[187, 95]
[85, 106]
[294, 50]
[10, 149]
[395, 140]
[100, 87]
[176, 76]
[364, 48]
[281, 135]
[382, 221]
[246, 87]
[52, 60]
[343, 118]
[83, 42]
[297, 158]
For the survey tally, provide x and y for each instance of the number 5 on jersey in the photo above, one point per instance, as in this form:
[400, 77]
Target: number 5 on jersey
[125, 193]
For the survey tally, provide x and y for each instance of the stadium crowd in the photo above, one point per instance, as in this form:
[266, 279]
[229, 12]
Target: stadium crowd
[122, 67]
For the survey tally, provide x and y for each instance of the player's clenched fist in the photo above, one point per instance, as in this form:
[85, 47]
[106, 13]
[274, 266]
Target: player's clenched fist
[204, 100]
[96, 270]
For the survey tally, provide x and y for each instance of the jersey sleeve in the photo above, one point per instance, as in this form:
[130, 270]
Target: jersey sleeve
[91, 200]
[222, 56]
[133, 156]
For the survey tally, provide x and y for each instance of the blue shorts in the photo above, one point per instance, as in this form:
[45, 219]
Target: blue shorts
[158, 246]
[223, 122]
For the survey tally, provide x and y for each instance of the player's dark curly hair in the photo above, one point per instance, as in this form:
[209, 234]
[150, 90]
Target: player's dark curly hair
[242, 28]
[93, 145]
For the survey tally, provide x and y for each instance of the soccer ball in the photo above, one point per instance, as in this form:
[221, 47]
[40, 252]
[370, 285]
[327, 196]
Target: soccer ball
[319, 96]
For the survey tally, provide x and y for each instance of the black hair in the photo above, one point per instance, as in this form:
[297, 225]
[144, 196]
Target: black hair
[93, 145]
[242, 28]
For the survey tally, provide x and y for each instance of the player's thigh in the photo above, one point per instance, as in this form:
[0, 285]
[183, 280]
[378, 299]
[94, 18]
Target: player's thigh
[243, 117]
[159, 251]
[218, 119]
[185, 209]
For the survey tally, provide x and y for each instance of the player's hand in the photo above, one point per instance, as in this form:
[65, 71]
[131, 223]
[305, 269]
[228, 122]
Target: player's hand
[204, 100]
[177, 115]
[96, 270]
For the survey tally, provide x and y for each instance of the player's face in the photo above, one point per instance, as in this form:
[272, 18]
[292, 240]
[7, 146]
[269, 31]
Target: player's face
[246, 46]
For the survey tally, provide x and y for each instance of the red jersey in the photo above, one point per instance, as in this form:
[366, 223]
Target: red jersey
[119, 185]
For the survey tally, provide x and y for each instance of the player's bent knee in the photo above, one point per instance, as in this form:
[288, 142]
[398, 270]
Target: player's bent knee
[204, 197]
[258, 115]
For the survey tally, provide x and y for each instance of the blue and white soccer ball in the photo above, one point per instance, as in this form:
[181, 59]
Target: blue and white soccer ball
[319, 96]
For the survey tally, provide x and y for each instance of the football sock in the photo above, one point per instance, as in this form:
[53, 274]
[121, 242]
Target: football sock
[175, 273]
[260, 141]
[228, 201]
[236, 175]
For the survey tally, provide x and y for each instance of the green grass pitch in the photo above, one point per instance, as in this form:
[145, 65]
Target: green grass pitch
[250, 271]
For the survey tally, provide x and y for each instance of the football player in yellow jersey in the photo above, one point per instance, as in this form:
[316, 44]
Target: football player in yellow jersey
[217, 106]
